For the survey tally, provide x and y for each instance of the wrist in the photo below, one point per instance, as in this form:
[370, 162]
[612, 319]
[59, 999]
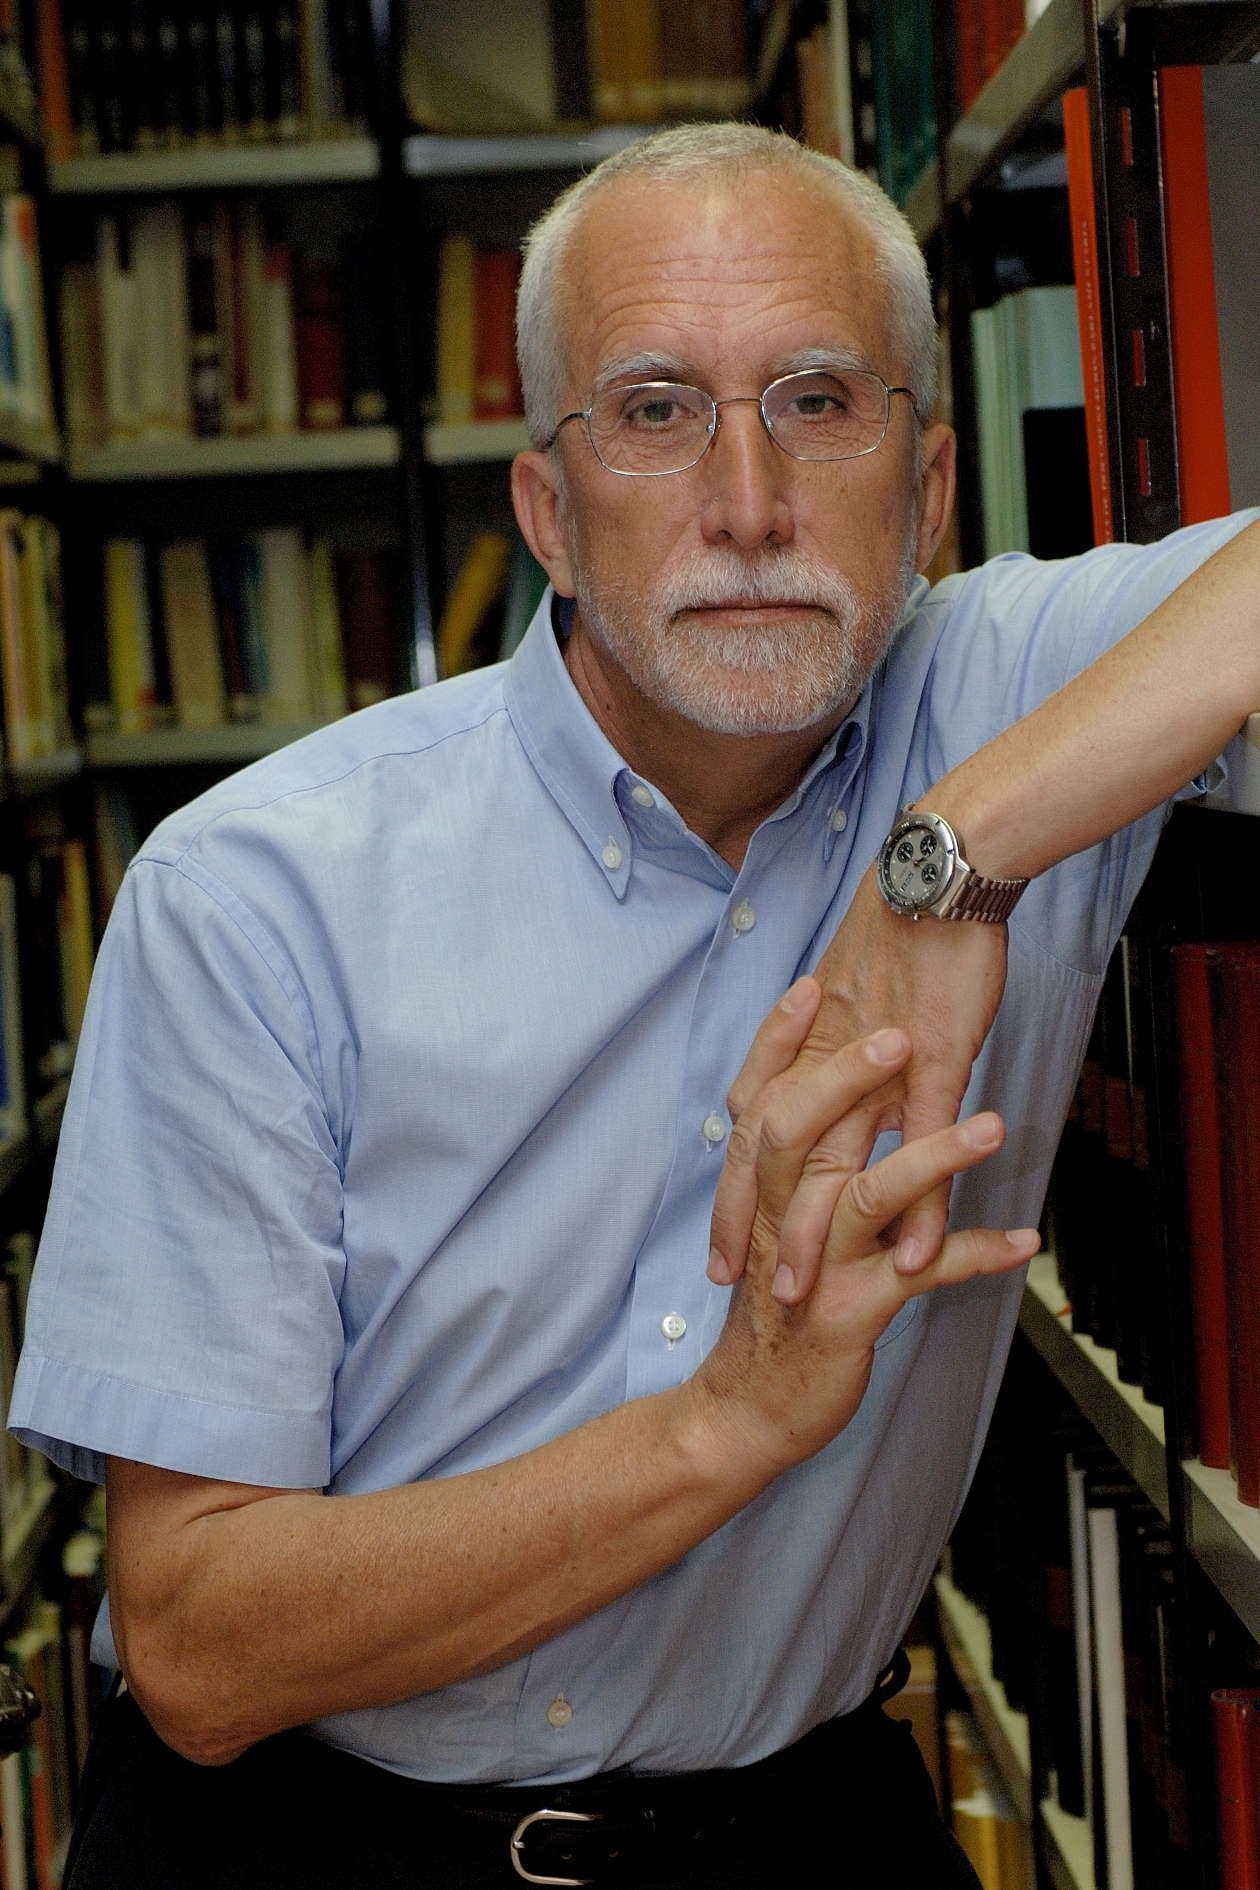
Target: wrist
[734, 1449]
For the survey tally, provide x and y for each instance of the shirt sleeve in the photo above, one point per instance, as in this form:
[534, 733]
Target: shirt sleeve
[184, 1308]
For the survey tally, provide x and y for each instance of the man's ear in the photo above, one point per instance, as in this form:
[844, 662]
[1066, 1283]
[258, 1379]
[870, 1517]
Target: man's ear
[938, 468]
[536, 499]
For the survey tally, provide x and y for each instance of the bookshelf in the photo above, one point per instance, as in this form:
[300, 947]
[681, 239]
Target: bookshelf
[432, 155]
[339, 449]
[221, 167]
[232, 745]
[475, 442]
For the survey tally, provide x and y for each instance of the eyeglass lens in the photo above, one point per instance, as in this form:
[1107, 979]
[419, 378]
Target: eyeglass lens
[663, 426]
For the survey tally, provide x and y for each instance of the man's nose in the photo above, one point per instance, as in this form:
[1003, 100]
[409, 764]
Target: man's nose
[747, 482]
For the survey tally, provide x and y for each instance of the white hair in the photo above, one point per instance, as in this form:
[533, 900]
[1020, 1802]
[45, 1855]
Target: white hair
[694, 154]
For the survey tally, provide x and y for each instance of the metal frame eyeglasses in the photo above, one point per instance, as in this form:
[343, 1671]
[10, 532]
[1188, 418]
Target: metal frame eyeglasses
[833, 407]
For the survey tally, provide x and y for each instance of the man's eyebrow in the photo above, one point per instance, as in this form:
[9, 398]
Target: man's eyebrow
[649, 366]
[644, 367]
[822, 358]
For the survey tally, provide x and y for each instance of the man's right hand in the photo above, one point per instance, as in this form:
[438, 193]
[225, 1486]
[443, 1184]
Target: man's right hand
[789, 1378]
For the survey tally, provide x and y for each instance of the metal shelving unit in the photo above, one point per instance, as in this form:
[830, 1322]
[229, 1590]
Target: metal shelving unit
[219, 167]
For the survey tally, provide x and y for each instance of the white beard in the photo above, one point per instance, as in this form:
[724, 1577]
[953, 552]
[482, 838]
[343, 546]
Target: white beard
[763, 680]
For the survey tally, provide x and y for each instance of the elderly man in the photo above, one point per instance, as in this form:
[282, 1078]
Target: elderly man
[463, 1527]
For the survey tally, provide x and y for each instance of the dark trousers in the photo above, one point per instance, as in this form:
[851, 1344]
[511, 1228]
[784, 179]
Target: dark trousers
[849, 1806]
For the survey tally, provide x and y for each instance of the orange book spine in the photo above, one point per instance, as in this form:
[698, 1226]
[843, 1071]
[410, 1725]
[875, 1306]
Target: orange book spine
[496, 386]
[1198, 397]
[1080, 169]
[56, 115]
[1232, 1710]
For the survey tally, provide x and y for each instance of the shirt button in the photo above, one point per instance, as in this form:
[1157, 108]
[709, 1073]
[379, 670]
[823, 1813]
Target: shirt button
[559, 1712]
[673, 1325]
[743, 918]
[839, 821]
[643, 795]
[713, 1129]
[612, 856]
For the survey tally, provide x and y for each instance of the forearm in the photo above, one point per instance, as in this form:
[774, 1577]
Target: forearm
[1124, 734]
[284, 1608]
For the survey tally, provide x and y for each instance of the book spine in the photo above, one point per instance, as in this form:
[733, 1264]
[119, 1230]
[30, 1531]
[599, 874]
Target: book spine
[19, 728]
[456, 329]
[1113, 1741]
[496, 384]
[56, 108]
[1236, 1032]
[278, 345]
[129, 633]
[192, 638]
[1086, 264]
[1237, 1831]
[205, 339]
[11, 1014]
[1201, 1147]
[367, 627]
[80, 60]
[321, 346]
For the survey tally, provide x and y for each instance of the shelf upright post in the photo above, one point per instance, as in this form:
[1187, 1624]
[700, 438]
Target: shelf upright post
[388, 26]
[958, 283]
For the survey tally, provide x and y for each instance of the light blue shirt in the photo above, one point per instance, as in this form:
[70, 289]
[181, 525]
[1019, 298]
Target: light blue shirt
[385, 1154]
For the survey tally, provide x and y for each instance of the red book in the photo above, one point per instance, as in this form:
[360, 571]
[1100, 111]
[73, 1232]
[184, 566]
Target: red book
[1080, 169]
[1201, 1146]
[367, 627]
[320, 340]
[56, 116]
[1234, 983]
[1198, 394]
[1235, 1721]
[970, 51]
[496, 385]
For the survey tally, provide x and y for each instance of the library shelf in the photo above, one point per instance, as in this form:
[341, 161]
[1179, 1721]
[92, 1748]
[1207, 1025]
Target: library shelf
[1070, 1852]
[20, 472]
[463, 443]
[39, 443]
[923, 206]
[341, 448]
[24, 1536]
[218, 167]
[160, 747]
[428, 154]
[1224, 1535]
[965, 1633]
[22, 780]
[1130, 1426]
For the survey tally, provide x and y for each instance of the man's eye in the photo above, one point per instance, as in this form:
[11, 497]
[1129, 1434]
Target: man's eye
[815, 406]
[653, 413]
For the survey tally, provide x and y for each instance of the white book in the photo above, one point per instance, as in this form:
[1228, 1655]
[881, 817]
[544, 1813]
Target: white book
[1078, 1537]
[13, 1820]
[1113, 1731]
[277, 347]
[12, 1069]
[288, 629]
[160, 270]
[22, 287]
[121, 335]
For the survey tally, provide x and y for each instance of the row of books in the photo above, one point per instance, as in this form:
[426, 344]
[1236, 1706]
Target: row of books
[266, 628]
[1030, 417]
[1074, 1569]
[195, 322]
[1102, 1206]
[652, 59]
[25, 381]
[1218, 1024]
[152, 74]
[47, 950]
[988, 30]
[477, 375]
[32, 638]
[39, 1786]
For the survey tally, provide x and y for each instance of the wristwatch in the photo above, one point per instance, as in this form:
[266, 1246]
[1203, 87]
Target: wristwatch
[922, 870]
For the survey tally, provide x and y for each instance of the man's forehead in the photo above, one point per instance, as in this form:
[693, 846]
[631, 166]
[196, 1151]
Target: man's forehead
[709, 270]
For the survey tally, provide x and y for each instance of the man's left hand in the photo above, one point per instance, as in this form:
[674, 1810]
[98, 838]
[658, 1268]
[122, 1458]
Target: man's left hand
[939, 982]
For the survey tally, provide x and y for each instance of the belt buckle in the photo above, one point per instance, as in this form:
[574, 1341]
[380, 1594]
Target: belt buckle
[517, 1844]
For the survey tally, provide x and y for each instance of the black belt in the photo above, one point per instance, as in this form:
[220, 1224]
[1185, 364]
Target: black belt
[619, 1826]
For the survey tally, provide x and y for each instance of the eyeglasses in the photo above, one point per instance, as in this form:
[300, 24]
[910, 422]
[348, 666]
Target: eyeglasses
[658, 427]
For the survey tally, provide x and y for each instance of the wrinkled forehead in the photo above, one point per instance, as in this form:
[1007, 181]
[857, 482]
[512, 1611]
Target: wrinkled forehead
[731, 277]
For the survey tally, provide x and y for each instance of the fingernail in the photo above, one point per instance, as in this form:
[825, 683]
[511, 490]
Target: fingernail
[909, 1254]
[886, 1046]
[798, 997]
[1024, 1239]
[717, 1269]
[982, 1131]
[784, 1283]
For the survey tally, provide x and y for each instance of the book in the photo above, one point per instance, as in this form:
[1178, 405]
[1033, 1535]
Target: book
[330, 662]
[1236, 1738]
[129, 634]
[74, 926]
[1211, 181]
[82, 1565]
[277, 344]
[56, 107]
[1201, 1149]
[80, 61]
[158, 305]
[905, 108]
[82, 354]
[22, 293]
[496, 382]
[288, 626]
[12, 1057]
[192, 636]
[366, 383]
[1234, 986]
[206, 349]
[368, 627]
[240, 279]
[456, 329]
[988, 31]
[1085, 263]
[321, 345]
[476, 590]
[1113, 1742]
[116, 844]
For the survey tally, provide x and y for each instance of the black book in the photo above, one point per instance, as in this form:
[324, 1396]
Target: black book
[365, 334]
[284, 69]
[1117, 1232]
[81, 60]
[205, 341]
[202, 63]
[168, 106]
[252, 70]
[227, 73]
[142, 115]
[112, 88]
[350, 56]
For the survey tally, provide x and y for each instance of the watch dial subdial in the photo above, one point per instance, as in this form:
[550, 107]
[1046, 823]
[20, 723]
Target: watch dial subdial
[916, 868]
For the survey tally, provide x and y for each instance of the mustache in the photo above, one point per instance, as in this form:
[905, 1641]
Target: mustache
[773, 578]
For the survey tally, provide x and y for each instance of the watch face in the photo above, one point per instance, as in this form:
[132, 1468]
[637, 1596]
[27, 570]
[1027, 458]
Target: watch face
[915, 866]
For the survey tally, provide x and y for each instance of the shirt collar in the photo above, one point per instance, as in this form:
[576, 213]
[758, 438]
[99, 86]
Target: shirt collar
[580, 767]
